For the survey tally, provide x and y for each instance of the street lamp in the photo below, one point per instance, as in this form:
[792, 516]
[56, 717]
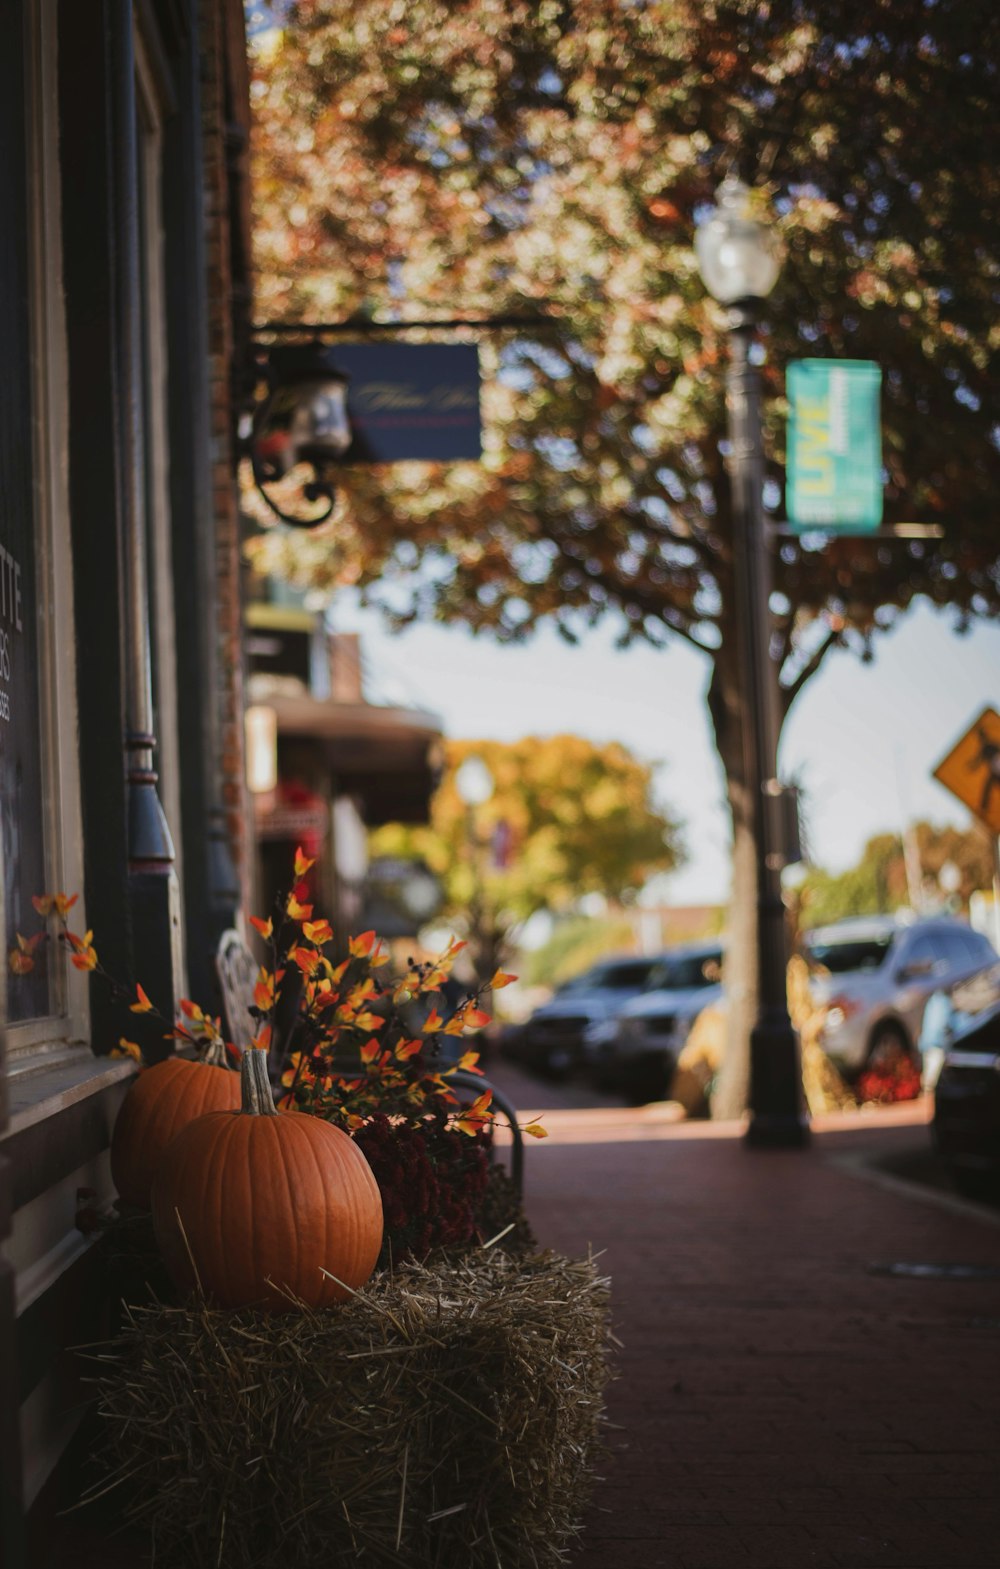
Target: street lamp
[475, 785]
[302, 419]
[739, 259]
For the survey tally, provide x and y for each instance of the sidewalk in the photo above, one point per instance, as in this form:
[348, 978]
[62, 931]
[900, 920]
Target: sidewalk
[779, 1404]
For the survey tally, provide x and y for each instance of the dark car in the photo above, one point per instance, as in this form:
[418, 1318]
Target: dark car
[552, 1040]
[967, 1105]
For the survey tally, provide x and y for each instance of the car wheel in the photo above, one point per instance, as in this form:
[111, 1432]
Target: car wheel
[649, 1080]
[892, 1069]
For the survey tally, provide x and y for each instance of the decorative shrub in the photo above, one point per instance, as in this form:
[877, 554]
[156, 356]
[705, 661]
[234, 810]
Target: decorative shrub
[432, 1181]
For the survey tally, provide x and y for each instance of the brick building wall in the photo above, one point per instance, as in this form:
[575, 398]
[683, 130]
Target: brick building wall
[225, 121]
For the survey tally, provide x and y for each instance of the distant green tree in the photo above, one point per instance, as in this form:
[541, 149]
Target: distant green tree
[567, 817]
[878, 883]
[574, 946]
[424, 158]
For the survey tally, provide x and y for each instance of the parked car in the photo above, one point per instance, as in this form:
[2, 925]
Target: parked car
[967, 1105]
[948, 1014]
[882, 971]
[551, 1041]
[638, 1053]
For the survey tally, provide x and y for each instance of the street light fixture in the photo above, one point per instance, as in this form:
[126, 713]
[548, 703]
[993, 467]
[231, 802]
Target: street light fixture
[475, 785]
[302, 419]
[740, 258]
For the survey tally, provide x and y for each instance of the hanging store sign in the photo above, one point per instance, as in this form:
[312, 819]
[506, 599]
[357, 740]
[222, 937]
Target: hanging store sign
[834, 480]
[414, 402]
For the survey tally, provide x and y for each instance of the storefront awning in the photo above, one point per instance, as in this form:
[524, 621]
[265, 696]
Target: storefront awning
[386, 756]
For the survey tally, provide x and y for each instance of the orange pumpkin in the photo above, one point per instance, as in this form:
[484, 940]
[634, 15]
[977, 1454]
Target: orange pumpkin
[160, 1102]
[256, 1204]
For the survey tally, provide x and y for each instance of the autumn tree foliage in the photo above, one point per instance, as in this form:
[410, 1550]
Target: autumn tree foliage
[554, 157]
[567, 817]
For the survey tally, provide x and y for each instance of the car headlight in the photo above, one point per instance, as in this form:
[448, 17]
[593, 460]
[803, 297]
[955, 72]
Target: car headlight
[599, 1031]
[839, 1011]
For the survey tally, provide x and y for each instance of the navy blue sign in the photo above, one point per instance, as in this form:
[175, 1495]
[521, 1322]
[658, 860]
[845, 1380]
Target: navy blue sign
[411, 401]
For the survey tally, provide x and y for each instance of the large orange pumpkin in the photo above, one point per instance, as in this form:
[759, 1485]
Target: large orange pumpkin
[160, 1102]
[256, 1204]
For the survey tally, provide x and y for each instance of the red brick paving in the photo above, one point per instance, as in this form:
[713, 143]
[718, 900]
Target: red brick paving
[777, 1404]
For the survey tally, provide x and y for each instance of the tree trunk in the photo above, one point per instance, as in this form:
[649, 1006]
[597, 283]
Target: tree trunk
[727, 697]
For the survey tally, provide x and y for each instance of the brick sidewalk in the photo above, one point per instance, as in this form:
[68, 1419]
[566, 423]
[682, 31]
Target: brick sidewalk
[778, 1404]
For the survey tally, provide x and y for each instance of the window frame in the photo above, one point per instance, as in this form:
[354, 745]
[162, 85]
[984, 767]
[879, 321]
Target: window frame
[57, 1037]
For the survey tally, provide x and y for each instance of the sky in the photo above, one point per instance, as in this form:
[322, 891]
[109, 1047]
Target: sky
[862, 740]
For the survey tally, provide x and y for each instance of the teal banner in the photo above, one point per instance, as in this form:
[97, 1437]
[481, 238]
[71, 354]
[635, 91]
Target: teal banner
[834, 480]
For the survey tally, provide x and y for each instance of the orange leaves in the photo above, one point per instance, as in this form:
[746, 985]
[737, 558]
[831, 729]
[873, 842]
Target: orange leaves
[262, 1041]
[83, 956]
[468, 1062]
[478, 1116]
[54, 903]
[500, 979]
[432, 1022]
[535, 1130]
[370, 1051]
[142, 1003]
[307, 960]
[302, 863]
[318, 932]
[407, 1049]
[263, 992]
[360, 993]
[127, 1049]
[21, 960]
[369, 947]
[296, 911]
[266, 928]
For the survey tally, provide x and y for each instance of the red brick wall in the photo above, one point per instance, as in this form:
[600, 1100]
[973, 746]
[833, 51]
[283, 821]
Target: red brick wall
[225, 121]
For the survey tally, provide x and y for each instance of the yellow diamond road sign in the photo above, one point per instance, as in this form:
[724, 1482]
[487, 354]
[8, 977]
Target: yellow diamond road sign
[972, 769]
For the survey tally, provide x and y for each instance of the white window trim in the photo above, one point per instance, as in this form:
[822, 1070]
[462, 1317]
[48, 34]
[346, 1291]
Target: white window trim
[44, 1042]
[157, 453]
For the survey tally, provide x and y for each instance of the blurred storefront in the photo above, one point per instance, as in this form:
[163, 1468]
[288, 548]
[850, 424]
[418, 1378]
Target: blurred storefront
[341, 764]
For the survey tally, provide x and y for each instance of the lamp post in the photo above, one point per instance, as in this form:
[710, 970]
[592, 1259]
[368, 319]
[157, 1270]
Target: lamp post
[475, 785]
[739, 260]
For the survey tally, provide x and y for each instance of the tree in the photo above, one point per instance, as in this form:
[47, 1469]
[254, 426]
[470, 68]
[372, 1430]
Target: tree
[879, 884]
[555, 156]
[566, 818]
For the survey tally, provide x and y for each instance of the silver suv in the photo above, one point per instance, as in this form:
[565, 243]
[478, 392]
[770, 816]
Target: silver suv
[639, 1054]
[882, 971]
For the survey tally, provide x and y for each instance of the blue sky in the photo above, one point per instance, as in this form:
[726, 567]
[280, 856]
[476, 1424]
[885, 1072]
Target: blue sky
[863, 739]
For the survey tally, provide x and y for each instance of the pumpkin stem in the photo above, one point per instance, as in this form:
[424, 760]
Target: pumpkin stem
[255, 1085]
[214, 1056]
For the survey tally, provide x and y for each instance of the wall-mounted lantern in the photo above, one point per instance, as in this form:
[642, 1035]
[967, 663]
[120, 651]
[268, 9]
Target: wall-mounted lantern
[303, 418]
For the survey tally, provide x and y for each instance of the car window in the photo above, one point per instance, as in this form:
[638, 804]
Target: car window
[686, 973]
[979, 949]
[852, 954]
[930, 948]
[954, 947]
[626, 977]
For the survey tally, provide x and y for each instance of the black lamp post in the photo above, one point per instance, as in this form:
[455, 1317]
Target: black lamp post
[739, 259]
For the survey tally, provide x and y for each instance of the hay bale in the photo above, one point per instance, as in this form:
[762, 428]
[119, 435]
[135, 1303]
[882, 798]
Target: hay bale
[446, 1416]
